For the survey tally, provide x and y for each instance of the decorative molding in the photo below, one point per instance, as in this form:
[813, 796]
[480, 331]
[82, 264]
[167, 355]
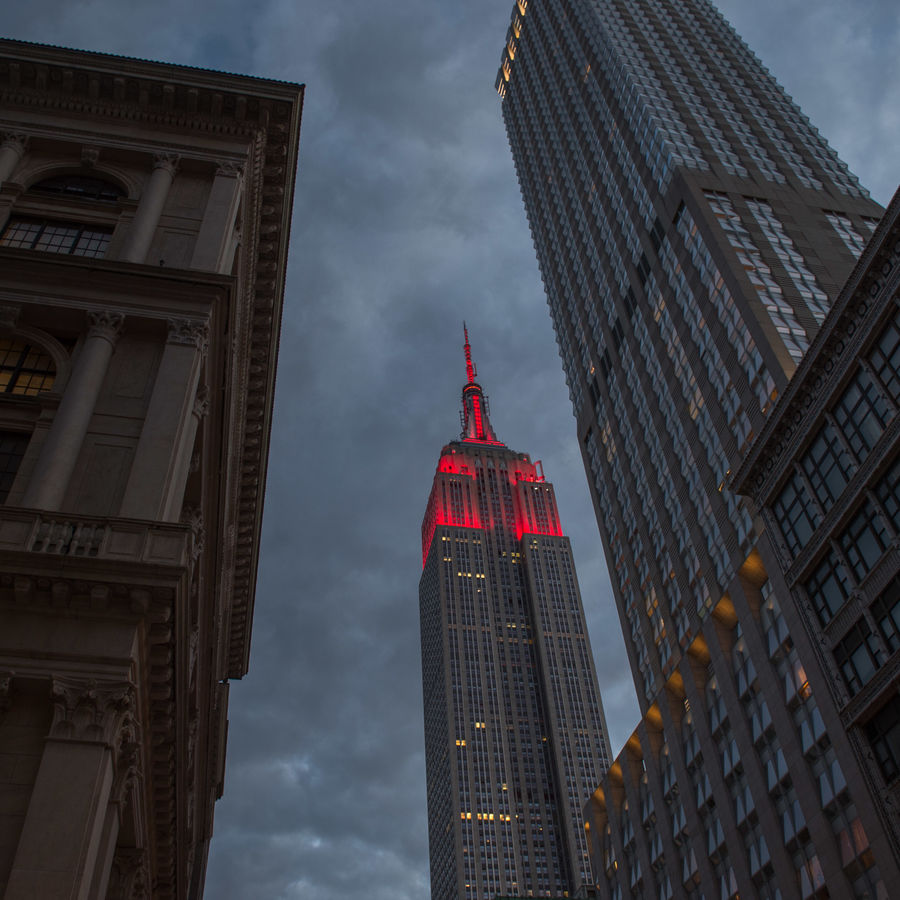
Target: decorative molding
[89, 156]
[167, 161]
[201, 402]
[129, 876]
[230, 170]
[105, 324]
[189, 333]
[91, 710]
[9, 316]
[191, 515]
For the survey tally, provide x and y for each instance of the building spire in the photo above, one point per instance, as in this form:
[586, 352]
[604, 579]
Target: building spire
[475, 422]
[470, 369]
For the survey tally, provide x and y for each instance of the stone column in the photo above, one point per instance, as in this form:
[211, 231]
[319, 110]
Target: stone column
[67, 836]
[214, 242]
[146, 219]
[159, 472]
[12, 149]
[59, 453]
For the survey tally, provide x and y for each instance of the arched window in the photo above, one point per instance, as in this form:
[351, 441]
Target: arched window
[86, 187]
[25, 369]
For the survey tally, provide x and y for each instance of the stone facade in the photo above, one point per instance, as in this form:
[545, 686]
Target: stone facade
[144, 219]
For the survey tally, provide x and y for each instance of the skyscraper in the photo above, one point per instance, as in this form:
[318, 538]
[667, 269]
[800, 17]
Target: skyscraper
[515, 737]
[692, 230]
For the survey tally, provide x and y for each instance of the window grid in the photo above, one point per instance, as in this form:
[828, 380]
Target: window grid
[24, 369]
[76, 239]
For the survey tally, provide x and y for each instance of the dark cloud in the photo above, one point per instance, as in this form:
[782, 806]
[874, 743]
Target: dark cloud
[408, 219]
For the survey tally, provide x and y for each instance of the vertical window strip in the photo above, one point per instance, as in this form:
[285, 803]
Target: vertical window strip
[782, 314]
[794, 264]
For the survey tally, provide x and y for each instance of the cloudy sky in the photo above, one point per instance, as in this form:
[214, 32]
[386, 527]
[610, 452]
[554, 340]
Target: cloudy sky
[408, 220]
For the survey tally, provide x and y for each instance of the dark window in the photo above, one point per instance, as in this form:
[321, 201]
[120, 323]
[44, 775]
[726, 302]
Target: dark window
[24, 368]
[828, 587]
[888, 492]
[862, 413]
[864, 540]
[885, 358]
[12, 449]
[883, 731]
[886, 612]
[56, 237]
[858, 656]
[827, 465]
[796, 514]
[86, 187]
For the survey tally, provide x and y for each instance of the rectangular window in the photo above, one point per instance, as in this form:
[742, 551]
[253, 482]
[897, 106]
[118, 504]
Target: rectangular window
[828, 587]
[888, 492]
[827, 465]
[862, 413]
[864, 540]
[796, 514]
[858, 656]
[885, 358]
[886, 612]
[56, 237]
[883, 732]
[12, 449]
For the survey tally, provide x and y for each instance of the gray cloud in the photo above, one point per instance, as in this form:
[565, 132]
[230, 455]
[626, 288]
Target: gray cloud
[407, 220]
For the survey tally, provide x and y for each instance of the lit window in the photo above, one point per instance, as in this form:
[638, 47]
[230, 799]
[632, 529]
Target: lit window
[24, 368]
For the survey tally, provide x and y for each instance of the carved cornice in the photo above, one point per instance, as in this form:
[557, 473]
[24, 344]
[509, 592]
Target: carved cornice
[189, 333]
[105, 324]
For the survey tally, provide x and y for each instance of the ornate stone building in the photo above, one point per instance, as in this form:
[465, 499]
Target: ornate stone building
[144, 218]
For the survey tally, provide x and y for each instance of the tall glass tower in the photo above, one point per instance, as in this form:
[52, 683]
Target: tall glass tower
[515, 738]
[692, 230]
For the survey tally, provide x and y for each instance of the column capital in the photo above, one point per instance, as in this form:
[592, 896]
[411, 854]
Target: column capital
[167, 161]
[14, 140]
[189, 333]
[230, 170]
[106, 324]
[85, 709]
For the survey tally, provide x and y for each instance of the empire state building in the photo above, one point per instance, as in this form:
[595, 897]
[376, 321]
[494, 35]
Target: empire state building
[515, 736]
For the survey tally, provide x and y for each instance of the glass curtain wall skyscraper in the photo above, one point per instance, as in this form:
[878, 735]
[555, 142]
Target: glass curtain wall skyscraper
[515, 737]
[692, 230]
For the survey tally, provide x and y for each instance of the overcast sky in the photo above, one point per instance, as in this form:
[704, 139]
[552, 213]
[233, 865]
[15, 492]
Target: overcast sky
[407, 220]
